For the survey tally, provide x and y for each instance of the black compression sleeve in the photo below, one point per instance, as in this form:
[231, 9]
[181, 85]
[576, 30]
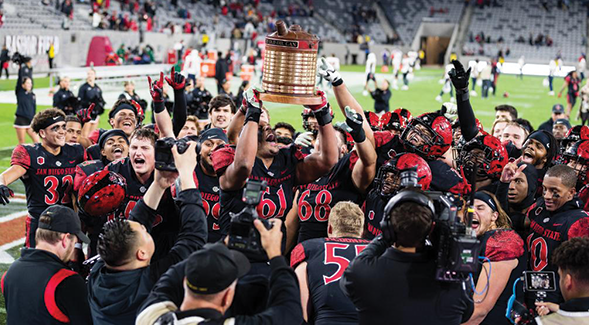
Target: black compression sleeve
[179, 117]
[467, 120]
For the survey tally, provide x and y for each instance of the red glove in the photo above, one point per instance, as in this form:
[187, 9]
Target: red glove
[140, 114]
[156, 89]
[85, 114]
[324, 102]
[176, 80]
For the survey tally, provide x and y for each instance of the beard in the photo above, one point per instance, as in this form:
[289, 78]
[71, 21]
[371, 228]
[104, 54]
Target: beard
[205, 164]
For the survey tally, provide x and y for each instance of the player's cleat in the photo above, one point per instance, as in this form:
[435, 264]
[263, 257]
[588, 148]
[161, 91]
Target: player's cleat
[365, 93]
[439, 98]
[452, 100]
[473, 93]
[551, 93]
[405, 87]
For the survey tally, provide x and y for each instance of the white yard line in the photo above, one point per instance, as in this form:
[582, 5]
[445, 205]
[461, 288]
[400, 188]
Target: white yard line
[6, 258]
[14, 215]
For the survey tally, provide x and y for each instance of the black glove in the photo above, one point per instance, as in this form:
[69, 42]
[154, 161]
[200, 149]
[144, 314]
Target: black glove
[354, 125]
[5, 193]
[251, 98]
[459, 77]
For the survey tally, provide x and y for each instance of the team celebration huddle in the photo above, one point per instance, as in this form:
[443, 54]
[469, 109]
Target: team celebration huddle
[214, 212]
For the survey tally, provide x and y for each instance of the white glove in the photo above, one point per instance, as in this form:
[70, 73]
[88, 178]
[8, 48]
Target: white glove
[328, 72]
[451, 111]
[304, 139]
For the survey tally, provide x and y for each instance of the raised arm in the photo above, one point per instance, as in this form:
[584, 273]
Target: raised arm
[162, 118]
[365, 168]
[240, 169]
[320, 162]
[236, 124]
[178, 82]
[459, 79]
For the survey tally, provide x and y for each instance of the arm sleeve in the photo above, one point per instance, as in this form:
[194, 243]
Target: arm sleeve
[179, 111]
[579, 229]
[501, 194]
[193, 232]
[503, 246]
[20, 156]
[168, 288]
[467, 120]
[143, 214]
[79, 177]
[71, 296]
[284, 299]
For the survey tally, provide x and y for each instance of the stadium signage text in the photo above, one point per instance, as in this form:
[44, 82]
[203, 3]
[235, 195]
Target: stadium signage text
[31, 45]
[282, 43]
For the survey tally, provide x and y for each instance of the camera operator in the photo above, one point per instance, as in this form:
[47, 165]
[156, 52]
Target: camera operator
[397, 269]
[207, 288]
[505, 260]
[572, 260]
[122, 279]
[25, 70]
[89, 93]
[63, 97]
[555, 218]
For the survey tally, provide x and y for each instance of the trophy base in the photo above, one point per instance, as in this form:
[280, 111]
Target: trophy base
[285, 99]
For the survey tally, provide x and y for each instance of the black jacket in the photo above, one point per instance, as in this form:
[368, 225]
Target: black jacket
[547, 126]
[386, 284]
[23, 71]
[284, 304]
[61, 97]
[115, 297]
[25, 286]
[26, 104]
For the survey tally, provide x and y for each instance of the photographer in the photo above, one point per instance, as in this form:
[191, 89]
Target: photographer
[206, 285]
[122, 279]
[397, 269]
[25, 70]
[572, 260]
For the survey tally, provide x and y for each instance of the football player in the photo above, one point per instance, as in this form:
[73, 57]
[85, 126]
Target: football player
[46, 168]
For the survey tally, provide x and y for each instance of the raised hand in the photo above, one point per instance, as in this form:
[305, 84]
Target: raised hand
[253, 103]
[176, 80]
[140, 113]
[156, 89]
[328, 72]
[5, 194]
[459, 77]
[85, 114]
[511, 170]
[353, 125]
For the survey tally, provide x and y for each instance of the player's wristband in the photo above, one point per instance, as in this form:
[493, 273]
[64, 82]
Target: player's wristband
[158, 107]
[323, 115]
[358, 136]
[462, 95]
[253, 115]
[337, 82]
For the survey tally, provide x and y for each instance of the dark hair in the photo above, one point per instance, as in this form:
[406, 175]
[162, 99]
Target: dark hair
[72, 118]
[343, 134]
[507, 108]
[116, 243]
[25, 80]
[572, 256]
[412, 223]
[42, 117]
[567, 175]
[525, 124]
[284, 125]
[220, 101]
[144, 133]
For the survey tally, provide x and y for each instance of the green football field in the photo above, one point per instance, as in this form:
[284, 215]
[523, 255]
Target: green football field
[528, 96]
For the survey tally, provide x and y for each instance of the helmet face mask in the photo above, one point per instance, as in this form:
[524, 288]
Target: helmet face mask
[576, 156]
[388, 179]
[429, 135]
[484, 153]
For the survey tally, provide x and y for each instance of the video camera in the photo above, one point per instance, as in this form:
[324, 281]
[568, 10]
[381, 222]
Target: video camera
[19, 58]
[243, 235]
[164, 159]
[456, 249]
[538, 282]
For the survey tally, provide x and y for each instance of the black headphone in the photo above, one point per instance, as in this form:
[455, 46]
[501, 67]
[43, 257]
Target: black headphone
[402, 197]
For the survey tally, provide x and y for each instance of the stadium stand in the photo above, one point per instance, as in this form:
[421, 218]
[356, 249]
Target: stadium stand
[527, 19]
[406, 16]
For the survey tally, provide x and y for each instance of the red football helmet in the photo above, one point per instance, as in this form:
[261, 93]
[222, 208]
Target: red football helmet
[576, 133]
[577, 156]
[373, 120]
[398, 120]
[432, 132]
[102, 193]
[388, 180]
[485, 152]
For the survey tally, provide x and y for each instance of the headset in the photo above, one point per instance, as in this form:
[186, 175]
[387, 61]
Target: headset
[404, 196]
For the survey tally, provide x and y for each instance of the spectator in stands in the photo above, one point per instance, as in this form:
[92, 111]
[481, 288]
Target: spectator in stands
[67, 8]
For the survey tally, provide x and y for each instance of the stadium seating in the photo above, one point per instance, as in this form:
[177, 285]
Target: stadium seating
[406, 16]
[30, 14]
[567, 28]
